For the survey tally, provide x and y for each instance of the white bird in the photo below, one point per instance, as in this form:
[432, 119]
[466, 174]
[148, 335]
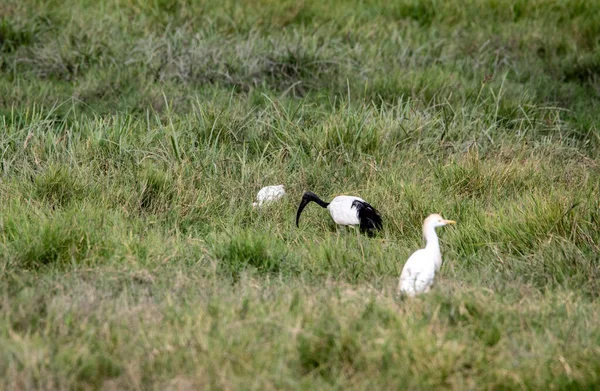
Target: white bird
[419, 271]
[269, 194]
[345, 210]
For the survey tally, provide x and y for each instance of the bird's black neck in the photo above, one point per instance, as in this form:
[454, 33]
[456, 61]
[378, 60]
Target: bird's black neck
[310, 196]
[306, 199]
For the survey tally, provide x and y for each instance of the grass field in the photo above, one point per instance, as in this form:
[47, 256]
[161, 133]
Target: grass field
[135, 135]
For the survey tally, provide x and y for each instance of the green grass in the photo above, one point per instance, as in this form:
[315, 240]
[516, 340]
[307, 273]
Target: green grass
[136, 134]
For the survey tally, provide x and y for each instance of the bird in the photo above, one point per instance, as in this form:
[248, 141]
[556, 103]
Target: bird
[269, 194]
[346, 211]
[420, 268]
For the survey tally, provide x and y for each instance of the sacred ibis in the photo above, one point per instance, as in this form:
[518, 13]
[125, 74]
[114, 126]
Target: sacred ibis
[419, 271]
[345, 210]
[269, 194]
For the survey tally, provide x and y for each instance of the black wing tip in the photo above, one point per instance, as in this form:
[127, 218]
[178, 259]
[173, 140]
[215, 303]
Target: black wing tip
[368, 216]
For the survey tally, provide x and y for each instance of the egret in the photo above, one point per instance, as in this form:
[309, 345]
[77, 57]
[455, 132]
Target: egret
[418, 272]
[345, 210]
[269, 194]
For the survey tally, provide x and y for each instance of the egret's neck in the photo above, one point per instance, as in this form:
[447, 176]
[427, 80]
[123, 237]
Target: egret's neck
[433, 246]
[432, 239]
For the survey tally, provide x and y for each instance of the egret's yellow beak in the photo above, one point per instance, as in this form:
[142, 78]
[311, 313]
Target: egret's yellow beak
[449, 221]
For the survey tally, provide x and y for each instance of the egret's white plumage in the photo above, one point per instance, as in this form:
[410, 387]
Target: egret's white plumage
[269, 194]
[419, 270]
[345, 210]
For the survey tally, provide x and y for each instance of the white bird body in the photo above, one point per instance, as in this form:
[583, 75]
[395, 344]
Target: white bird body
[419, 270]
[418, 273]
[342, 211]
[269, 194]
[345, 210]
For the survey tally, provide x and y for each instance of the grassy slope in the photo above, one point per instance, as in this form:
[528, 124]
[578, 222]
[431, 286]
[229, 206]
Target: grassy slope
[137, 133]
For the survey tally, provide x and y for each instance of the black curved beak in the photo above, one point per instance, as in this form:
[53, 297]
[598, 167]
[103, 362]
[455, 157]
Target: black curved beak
[303, 203]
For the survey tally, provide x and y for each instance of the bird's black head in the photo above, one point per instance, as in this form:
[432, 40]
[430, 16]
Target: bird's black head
[306, 198]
